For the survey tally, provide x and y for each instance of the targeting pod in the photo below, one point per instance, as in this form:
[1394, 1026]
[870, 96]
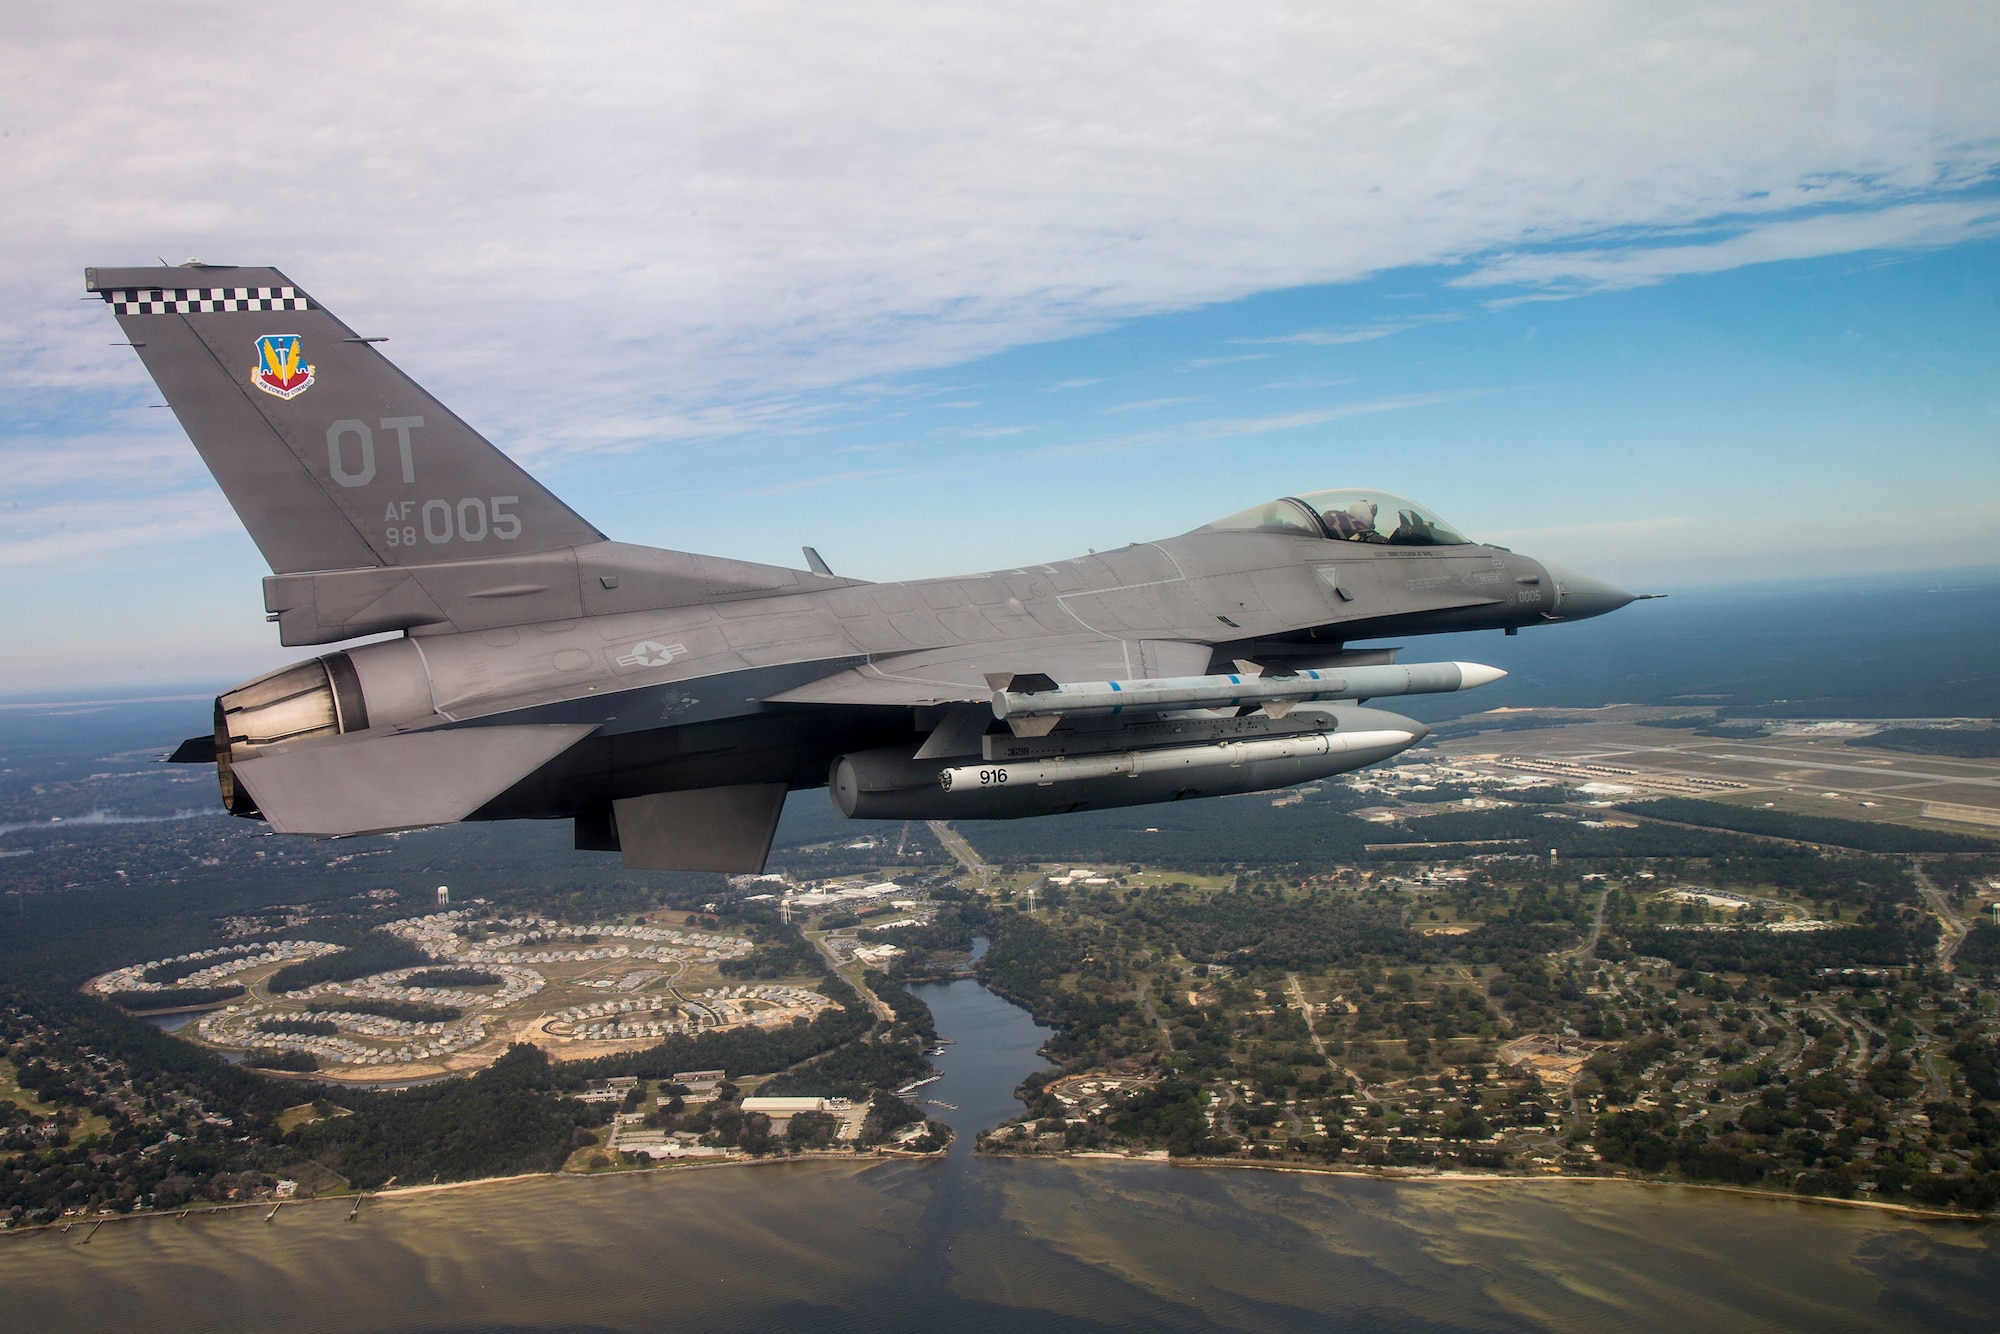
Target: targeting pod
[1320, 741]
[1171, 759]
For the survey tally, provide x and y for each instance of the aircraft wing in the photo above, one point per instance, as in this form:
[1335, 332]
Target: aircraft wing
[959, 674]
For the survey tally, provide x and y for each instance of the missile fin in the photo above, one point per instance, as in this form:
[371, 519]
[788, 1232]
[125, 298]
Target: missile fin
[1024, 683]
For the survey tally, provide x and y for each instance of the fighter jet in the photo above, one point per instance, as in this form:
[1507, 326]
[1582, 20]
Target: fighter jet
[666, 702]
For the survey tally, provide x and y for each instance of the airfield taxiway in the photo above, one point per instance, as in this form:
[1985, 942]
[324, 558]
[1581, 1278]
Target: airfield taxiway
[1806, 767]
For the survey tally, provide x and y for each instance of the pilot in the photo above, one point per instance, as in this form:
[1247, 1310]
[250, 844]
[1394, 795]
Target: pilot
[1356, 523]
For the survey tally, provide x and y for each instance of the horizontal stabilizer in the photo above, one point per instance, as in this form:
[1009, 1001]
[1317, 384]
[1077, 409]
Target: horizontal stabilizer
[366, 783]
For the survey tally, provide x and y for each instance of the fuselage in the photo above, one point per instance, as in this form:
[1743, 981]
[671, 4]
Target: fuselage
[682, 696]
[668, 701]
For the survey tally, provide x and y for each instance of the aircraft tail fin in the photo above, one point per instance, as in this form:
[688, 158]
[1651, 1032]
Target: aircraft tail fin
[331, 456]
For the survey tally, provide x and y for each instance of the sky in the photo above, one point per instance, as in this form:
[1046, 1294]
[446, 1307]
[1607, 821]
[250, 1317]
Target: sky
[1681, 296]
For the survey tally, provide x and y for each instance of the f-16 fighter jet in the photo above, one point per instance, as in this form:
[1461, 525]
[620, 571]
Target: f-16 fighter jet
[667, 702]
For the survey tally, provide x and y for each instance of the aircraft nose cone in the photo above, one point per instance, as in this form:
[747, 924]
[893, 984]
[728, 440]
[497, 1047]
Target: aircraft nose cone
[1579, 596]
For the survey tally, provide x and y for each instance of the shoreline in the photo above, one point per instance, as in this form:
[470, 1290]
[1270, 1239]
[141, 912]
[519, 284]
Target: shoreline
[1910, 1212]
[1418, 1178]
[356, 1199]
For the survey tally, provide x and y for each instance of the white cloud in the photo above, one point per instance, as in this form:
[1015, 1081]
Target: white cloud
[1900, 227]
[1230, 428]
[1462, 147]
[65, 534]
[1209, 363]
[1364, 333]
[634, 228]
[639, 213]
[1150, 404]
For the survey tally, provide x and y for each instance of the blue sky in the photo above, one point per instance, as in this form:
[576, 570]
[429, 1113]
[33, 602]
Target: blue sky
[1829, 416]
[1703, 298]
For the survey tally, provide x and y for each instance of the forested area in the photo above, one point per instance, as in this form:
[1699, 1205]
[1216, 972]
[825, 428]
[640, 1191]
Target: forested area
[1280, 930]
[777, 949]
[1967, 743]
[452, 978]
[139, 1002]
[1169, 1112]
[170, 971]
[1981, 951]
[1861, 835]
[1965, 875]
[375, 952]
[1026, 962]
[409, 1012]
[940, 945]
[1196, 836]
[887, 1058]
[1794, 955]
[508, 1118]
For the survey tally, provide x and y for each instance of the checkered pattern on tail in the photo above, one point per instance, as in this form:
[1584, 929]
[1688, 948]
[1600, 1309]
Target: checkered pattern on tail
[203, 300]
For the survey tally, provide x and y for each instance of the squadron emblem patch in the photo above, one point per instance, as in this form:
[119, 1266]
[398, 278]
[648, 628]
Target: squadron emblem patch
[281, 370]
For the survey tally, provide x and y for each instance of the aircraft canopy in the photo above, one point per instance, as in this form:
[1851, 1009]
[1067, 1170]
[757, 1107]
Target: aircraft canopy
[1348, 516]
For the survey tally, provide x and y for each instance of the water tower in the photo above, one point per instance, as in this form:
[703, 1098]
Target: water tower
[444, 896]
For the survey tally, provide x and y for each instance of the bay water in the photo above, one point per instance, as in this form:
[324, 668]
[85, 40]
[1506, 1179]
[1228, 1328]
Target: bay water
[974, 1244]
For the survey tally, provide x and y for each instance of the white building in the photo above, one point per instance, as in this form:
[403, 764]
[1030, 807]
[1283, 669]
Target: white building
[783, 1108]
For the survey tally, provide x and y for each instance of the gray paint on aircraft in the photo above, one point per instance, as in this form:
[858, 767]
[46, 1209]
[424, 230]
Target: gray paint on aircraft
[546, 671]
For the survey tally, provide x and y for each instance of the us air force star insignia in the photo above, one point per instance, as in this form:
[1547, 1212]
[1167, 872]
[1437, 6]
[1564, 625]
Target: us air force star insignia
[650, 654]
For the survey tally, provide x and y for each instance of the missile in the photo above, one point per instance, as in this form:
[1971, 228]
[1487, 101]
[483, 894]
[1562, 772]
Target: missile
[1026, 711]
[1173, 760]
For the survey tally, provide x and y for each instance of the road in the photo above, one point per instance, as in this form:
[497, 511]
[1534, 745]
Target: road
[1146, 1004]
[1312, 1031]
[850, 973]
[1299, 999]
[1954, 927]
[1596, 929]
[954, 843]
[1857, 1046]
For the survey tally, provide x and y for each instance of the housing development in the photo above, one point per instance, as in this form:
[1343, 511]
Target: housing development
[1462, 964]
